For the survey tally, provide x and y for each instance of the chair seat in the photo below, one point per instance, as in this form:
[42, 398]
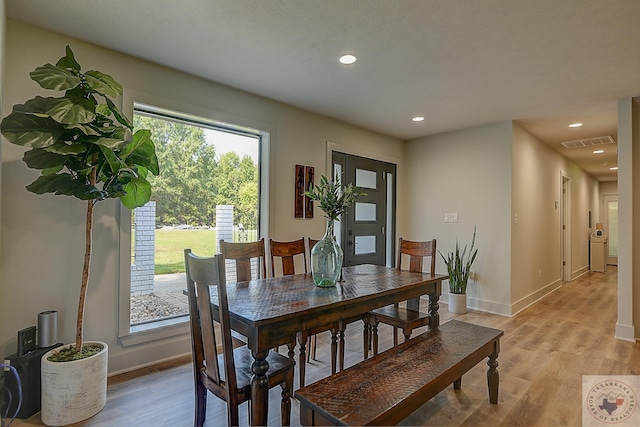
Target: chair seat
[401, 317]
[278, 364]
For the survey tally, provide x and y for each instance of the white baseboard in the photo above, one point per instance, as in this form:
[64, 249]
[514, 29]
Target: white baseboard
[506, 309]
[580, 272]
[625, 332]
[534, 297]
[144, 365]
[481, 305]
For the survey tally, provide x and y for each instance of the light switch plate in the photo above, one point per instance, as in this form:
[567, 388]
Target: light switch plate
[451, 217]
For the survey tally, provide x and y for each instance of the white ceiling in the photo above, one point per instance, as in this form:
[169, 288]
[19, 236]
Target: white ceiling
[458, 63]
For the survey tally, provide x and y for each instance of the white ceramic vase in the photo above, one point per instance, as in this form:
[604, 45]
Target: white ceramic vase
[458, 303]
[73, 391]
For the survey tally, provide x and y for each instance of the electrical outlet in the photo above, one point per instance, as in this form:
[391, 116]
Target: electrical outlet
[7, 363]
[451, 217]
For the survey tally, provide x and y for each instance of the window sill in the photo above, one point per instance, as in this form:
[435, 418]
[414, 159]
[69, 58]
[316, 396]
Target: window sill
[161, 329]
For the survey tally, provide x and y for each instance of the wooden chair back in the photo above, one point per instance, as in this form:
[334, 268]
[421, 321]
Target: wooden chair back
[203, 272]
[312, 243]
[417, 251]
[286, 251]
[243, 253]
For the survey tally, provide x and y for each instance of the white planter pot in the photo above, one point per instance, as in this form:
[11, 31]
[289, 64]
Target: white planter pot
[73, 391]
[458, 303]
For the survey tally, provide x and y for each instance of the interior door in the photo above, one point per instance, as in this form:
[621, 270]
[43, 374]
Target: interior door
[366, 231]
[610, 220]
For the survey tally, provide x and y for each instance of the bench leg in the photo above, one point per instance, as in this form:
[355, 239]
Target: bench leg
[493, 378]
[457, 384]
[306, 416]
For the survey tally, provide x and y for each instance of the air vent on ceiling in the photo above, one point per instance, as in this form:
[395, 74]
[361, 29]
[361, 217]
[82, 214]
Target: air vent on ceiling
[589, 142]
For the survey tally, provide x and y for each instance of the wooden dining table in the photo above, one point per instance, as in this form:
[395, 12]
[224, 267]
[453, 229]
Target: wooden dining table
[269, 312]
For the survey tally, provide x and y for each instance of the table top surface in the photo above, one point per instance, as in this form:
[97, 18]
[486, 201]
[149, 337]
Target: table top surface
[260, 300]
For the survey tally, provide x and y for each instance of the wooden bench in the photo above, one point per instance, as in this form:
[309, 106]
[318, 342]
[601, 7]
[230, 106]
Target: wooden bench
[388, 387]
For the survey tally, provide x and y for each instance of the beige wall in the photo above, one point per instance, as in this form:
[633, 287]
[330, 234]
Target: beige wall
[489, 175]
[467, 172]
[537, 242]
[608, 187]
[42, 236]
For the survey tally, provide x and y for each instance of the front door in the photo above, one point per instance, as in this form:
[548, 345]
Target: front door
[366, 232]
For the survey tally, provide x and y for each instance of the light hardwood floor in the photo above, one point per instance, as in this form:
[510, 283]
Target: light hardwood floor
[545, 351]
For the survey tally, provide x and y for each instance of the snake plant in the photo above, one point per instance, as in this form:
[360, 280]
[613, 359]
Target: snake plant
[459, 265]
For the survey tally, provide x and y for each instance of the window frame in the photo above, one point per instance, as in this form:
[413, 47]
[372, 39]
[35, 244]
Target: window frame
[169, 328]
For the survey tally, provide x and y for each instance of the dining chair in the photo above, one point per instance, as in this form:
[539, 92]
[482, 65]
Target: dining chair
[287, 252]
[342, 326]
[225, 371]
[244, 254]
[410, 317]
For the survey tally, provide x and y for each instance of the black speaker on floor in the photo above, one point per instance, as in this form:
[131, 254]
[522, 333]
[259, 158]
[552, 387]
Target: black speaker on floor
[28, 368]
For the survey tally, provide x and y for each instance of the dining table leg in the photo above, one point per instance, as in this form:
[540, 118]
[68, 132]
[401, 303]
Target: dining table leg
[259, 389]
[434, 316]
[302, 341]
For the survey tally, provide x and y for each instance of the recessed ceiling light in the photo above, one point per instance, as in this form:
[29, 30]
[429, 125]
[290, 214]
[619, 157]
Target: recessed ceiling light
[615, 168]
[575, 125]
[347, 59]
[598, 151]
[418, 119]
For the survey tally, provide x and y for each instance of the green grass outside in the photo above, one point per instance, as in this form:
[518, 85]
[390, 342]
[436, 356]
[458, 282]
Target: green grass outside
[170, 246]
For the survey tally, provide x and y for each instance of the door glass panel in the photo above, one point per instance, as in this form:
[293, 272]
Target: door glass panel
[366, 179]
[337, 225]
[365, 245]
[365, 211]
[612, 211]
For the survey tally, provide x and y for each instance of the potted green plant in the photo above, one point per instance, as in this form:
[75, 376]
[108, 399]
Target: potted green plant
[84, 147]
[459, 269]
[327, 255]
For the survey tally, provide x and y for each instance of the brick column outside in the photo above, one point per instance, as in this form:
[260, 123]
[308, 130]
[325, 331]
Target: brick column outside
[143, 262]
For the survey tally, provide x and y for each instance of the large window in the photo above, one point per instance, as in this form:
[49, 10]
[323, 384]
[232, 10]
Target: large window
[207, 190]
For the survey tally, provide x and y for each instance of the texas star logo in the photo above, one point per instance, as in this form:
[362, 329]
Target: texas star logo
[611, 401]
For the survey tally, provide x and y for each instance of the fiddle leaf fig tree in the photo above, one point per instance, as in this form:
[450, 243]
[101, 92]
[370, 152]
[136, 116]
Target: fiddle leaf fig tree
[83, 145]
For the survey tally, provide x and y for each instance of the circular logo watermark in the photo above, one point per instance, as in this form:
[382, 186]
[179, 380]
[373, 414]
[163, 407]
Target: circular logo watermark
[611, 401]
